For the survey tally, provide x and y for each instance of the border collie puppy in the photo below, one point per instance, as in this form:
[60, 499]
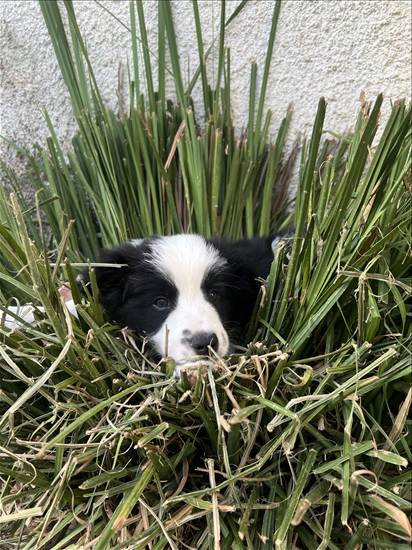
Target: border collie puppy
[190, 296]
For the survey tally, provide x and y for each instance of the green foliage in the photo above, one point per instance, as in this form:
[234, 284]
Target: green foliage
[152, 169]
[300, 441]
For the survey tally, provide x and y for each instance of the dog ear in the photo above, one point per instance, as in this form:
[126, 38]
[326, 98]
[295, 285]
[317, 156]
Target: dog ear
[112, 270]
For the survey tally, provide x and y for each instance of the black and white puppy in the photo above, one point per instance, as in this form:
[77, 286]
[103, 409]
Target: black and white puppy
[190, 296]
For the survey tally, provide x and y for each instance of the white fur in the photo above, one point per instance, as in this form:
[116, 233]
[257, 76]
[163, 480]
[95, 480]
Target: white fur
[185, 260]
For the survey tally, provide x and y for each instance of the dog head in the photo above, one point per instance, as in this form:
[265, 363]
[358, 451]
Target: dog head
[185, 293]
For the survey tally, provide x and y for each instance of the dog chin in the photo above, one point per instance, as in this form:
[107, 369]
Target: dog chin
[192, 367]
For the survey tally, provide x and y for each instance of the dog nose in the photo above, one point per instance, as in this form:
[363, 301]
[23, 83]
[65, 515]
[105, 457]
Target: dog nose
[201, 341]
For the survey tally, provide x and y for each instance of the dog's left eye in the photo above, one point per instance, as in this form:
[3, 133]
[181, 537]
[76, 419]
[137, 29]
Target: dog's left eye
[213, 295]
[161, 303]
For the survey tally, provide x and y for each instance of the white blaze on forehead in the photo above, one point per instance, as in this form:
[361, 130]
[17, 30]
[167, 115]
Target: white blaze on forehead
[185, 260]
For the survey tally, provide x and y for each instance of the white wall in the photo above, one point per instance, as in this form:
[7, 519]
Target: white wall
[331, 48]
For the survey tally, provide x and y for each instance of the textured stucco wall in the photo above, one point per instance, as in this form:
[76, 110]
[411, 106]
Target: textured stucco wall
[331, 48]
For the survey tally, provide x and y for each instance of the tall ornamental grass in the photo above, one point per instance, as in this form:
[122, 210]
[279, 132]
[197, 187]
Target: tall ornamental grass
[151, 168]
[299, 441]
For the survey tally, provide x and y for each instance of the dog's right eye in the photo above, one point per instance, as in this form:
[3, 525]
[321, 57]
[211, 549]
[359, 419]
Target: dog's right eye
[161, 303]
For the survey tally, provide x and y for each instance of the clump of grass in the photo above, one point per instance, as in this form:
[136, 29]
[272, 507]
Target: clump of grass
[153, 156]
[300, 441]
